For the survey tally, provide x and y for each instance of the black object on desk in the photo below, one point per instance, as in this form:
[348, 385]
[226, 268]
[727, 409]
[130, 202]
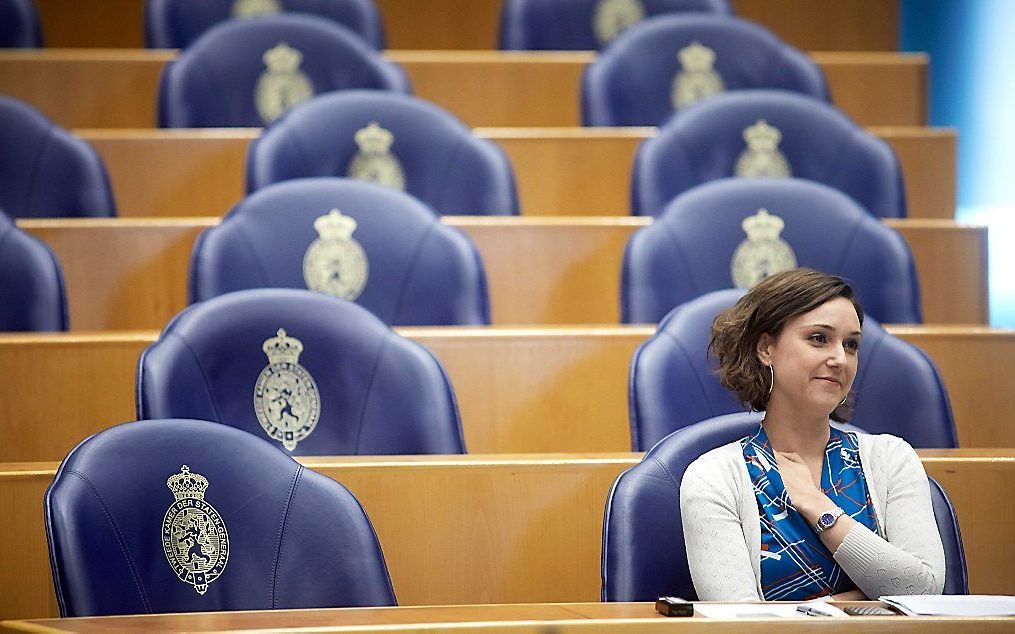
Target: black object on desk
[674, 606]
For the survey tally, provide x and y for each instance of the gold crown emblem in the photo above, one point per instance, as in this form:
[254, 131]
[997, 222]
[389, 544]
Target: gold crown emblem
[762, 226]
[762, 136]
[186, 485]
[374, 139]
[696, 57]
[282, 58]
[335, 226]
[282, 349]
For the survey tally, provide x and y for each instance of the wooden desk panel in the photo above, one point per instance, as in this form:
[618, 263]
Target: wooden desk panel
[502, 529]
[117, 88]
[559, 171]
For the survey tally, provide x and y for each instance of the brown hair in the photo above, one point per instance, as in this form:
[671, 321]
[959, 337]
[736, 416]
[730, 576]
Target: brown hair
[765, 309]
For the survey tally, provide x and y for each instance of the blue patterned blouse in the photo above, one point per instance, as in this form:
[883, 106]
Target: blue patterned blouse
[795, 565]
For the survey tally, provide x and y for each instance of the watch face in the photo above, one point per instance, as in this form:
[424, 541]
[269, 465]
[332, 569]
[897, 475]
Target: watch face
[826, 519]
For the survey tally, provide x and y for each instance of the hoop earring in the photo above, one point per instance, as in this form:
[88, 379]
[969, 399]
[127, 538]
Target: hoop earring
[771, 385]
[843, 401]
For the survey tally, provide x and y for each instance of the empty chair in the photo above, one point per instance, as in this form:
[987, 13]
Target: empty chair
[246, 73]
[32, 296]
[312, 373]
[193, 516]
[359, 241]
[396, 140]
[177, 23]
[669, 62]
[554, 25]
[766, 133]
[19, 24]
[643, 547]
[732, 233]
[47, 172]
[897, 389]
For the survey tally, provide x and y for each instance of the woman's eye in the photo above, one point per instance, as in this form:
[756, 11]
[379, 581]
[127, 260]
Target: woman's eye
[852, 346]
[818, 338]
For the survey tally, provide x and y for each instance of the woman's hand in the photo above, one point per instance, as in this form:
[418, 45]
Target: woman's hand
[805, 496]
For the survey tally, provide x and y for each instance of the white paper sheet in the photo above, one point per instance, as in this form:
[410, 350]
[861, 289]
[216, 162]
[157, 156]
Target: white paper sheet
[764, 610]
[953, 605]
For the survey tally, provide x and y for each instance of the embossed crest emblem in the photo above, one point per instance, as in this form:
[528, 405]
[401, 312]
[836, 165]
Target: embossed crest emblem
[763, 253]
[282, 85]
[194, 536]
[335, 263]
[611, 17]
[762, 158]
[251, 8]
[697, 78]
[374, 161]
[286, 400]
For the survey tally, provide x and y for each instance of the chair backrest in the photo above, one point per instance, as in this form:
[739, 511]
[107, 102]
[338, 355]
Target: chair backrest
[584, 25]
[731, 233]
[381, 248]
[315, 374]
[397, 140]
[671, 61]
[192, 516]
[246, 73]
[177, 23]
[643, 546]
[897, 389]
[47, 172]
[32, 295]
[19, 24]
[766, 133]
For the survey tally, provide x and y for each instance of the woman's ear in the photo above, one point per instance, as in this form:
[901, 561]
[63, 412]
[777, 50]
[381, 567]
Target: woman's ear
[764, 349]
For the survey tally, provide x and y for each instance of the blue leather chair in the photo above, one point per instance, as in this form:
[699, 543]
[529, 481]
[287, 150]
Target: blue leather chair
[316, 374]
[733, 134]
[411, 269]
[177, 23]
[584, 25]
[643, 546]
[701, 243]
[415, 146]
[131, 505]
[245, 73]
[676, 59]
[19, 24]
[897, 389]
[32, 295]
[47, 172]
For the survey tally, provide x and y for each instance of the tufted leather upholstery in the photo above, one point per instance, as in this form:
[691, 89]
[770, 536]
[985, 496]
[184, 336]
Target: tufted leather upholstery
[47, 172]
[688, 250]
[444, 164]
[177, 23]
[296, 539]
[897, 389]
[643, 546]
[419, 271]
[19, 24]
[379, 393]
[630, 82]
[32, 295]
[705, 141]
[555, 25]
[213, 82]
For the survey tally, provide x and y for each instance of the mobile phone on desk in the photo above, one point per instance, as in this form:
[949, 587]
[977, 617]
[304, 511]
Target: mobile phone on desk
[674, 606]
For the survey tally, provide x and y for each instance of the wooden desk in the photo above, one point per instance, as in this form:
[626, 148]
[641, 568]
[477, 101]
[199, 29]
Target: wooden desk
[532, 280]
[503, 529]
[116, 88]
[200, 172]
[519, 390]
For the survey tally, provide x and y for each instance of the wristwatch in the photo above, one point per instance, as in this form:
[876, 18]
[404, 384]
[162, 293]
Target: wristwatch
[827, 519]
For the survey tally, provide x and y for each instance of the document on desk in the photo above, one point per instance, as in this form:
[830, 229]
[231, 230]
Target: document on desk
[952, 605]
[765, 610]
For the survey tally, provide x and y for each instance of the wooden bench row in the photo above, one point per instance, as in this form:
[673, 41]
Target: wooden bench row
[532, 280]
[501, 529]
[117, 89]
[519, 390]
[201, 172]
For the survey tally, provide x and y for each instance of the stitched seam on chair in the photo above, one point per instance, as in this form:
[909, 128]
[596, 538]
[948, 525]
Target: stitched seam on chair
[370, 388]
[412, 268]
[673, 479]
[6, 235]
[442, 191]
[204, 376]
[695, 166]
[683, 256]
[849, 241]
[247, 242]
[29, 194]
[869, 354]
[294, 135]
[697, 377]
[281, 534]
[135, 575]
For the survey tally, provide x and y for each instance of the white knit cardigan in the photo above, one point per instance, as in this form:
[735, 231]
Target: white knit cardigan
[722, 528]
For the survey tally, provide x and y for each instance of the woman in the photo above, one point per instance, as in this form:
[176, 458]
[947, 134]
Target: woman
[800, 509]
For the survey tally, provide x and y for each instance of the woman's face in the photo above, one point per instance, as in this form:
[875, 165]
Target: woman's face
[814, 357]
